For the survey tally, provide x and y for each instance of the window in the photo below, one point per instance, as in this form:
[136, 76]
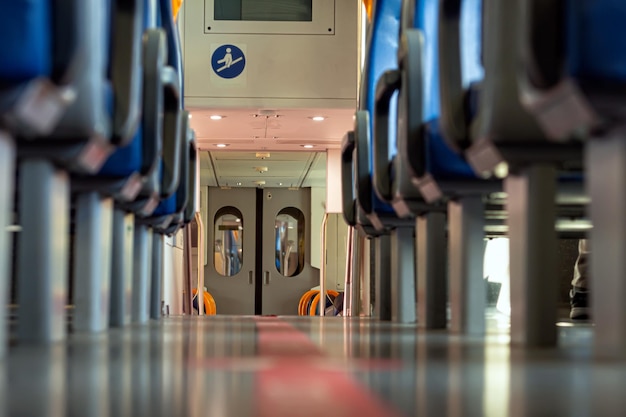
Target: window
[228, 241]
[289, 242]
[264, 10]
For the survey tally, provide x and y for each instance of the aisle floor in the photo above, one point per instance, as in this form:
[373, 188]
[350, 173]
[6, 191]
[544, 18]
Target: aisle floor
[289, 366]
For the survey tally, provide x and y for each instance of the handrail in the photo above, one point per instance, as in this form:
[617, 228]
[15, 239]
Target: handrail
[200, 258]
[323, 261]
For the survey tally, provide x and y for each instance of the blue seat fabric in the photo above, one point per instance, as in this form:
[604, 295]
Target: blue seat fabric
[383, 52]
[596, 33]
[128, 159]
[167, 206]
[25, 28]
[442, 162]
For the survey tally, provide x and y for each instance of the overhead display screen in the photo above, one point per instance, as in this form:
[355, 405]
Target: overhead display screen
[264, 10]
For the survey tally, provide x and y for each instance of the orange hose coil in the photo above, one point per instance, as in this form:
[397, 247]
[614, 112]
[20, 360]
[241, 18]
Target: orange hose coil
[316, 301]
[304, 300]
[210, 308]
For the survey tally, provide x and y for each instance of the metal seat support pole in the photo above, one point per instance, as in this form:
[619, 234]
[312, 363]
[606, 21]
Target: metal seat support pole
[606, 162]
[382, 276]
[431, 270]
[7, 178]
[43, 251]
[465, 254]
[402, 275]
[533, 246]
[157, 276]
[92, 262]
[122, 268]
[142, 265]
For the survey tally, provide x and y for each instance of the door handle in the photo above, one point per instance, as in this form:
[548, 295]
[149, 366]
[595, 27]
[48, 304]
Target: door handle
[250, 277]
[267, 277]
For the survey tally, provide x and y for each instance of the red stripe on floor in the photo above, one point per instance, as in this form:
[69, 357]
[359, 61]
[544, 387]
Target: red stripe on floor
[305, 387]
[278, 338]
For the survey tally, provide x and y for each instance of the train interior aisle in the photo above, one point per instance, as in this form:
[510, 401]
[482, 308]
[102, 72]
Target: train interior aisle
[312, 207]
[269, 366]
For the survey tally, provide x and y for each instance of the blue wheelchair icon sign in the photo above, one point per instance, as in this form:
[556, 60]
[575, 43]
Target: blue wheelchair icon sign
[228, 61]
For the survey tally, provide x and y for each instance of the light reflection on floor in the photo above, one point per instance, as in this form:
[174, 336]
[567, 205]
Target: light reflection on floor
[233, 366]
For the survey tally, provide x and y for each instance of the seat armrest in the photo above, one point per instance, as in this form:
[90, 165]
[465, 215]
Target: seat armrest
[65, 40]
[190, 210]
[154, 57]
[182, 191]
[172, 118]
[125, 68]
[452, 119]
[543, 43]
[347, 181]
[388, 84]
[556, 101]
[411, 101]
[362, 161]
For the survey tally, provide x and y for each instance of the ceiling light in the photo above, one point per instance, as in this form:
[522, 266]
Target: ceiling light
[318, 118]
[308, 146]
[238, 183]
[280, 183]
[216, 117]
[221, 145]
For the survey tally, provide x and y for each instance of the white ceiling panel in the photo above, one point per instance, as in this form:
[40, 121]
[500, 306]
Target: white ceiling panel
[279, 169]
[281, 132]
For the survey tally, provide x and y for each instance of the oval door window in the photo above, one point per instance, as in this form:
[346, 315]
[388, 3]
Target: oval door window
[289, 241]
[228, 241]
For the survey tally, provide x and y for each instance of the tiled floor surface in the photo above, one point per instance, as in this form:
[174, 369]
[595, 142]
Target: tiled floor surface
[247, 366]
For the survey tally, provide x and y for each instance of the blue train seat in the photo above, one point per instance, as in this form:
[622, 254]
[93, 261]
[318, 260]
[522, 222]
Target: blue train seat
[437, 170]
[176, 170]
[155, 206]
[494, 130]
[575, 78]
[67, 126]
[434, 149]
[26, 55]
[380, 57]
[574, 86]
[128, 171]
[394, 243]
[135, 112]
[168, 209]
[187, 189]
[35, 62]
